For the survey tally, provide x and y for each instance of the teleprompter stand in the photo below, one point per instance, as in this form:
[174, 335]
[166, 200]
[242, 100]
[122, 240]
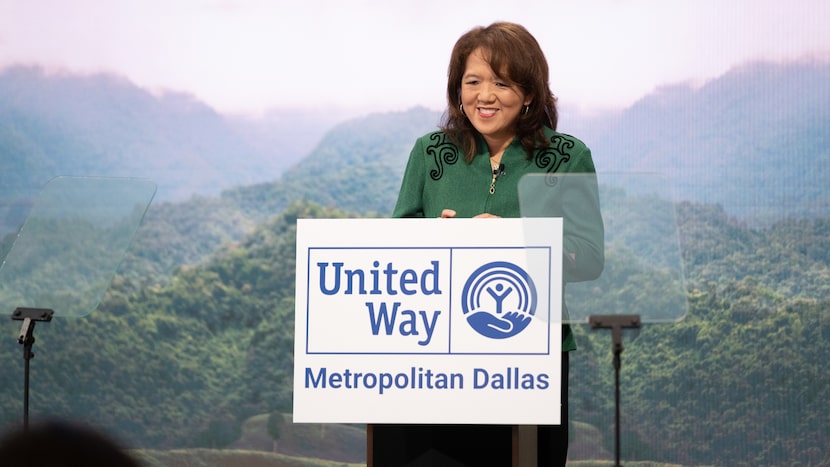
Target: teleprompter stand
[641, 250]
[29, 316]
[65, 254]
[616, 323]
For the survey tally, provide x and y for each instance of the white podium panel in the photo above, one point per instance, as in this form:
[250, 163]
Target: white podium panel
[428, 321]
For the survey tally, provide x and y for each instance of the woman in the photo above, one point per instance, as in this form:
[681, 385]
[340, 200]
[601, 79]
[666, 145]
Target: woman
[500, 126]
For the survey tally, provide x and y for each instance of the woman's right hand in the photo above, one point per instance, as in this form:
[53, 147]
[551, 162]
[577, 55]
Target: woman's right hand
[449, 213]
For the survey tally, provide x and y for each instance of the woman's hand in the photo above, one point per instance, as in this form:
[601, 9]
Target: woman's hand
[449, 213]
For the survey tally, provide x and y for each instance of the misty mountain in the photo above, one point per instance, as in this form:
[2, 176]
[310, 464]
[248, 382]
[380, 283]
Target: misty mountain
[754, 140]
[357, 166]
[54, 124]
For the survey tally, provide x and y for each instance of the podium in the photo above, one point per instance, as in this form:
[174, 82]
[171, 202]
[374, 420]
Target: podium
[433, 334]
[635, 237]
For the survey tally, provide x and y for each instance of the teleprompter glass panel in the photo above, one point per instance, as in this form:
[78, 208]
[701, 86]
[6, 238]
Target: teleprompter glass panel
[623, 224]
[65, 255]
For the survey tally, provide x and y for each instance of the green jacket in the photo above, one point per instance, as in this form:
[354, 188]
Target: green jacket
[437, 177]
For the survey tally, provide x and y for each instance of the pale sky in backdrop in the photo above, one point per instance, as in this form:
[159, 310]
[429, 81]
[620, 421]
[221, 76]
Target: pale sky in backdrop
[247, 56]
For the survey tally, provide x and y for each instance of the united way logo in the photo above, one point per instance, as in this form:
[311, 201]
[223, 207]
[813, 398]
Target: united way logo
[499, 300]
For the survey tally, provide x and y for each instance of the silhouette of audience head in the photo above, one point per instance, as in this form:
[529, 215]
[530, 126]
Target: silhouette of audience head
[59, 443]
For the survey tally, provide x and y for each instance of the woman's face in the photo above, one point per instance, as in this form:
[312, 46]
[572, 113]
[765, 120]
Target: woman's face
[491, 103]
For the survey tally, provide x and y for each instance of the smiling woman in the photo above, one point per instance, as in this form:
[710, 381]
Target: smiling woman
[491, 103]
[499, 77]
[499, 125]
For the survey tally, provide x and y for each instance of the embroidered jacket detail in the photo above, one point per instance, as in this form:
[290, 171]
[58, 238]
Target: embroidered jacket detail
[550, 158]
[442, 152]
[553, 156]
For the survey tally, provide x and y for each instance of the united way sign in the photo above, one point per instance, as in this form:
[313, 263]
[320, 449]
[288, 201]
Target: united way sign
[428, 321]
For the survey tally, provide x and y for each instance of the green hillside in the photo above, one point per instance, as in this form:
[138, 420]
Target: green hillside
[187, 363]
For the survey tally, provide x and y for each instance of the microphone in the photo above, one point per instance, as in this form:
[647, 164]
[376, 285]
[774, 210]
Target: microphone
[496, 173]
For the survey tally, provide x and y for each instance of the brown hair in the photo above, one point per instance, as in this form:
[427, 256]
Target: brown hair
[515, 55]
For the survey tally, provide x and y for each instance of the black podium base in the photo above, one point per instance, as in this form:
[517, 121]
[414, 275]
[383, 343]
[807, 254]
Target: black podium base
[440, 445]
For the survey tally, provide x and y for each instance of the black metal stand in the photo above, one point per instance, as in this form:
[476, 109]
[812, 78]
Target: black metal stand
[616, 323]
[29, 316]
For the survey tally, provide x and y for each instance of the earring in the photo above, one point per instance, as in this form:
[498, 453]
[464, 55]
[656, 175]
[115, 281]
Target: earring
[525, 109]
[461, 107]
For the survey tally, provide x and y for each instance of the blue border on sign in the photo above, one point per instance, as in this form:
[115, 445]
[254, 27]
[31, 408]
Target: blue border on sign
[451, 299]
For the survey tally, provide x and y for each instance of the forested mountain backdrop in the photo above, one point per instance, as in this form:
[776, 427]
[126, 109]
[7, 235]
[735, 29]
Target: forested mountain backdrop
[194, 337]
[753, 140]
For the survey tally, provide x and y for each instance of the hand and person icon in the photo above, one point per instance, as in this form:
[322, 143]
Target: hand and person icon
[498, 324]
